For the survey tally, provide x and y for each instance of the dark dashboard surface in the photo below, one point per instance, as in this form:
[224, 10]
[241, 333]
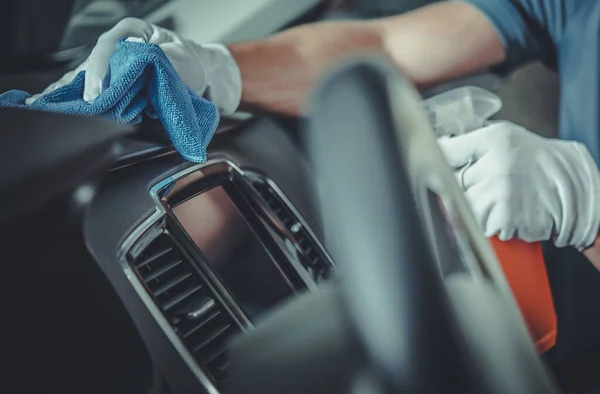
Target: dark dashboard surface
[230, 247]
[124, 201]
[84, 311]
[260, 144]
[74, 320]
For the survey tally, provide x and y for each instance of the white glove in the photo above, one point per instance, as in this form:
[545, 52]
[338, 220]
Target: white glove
[209, 70]
[521, 185]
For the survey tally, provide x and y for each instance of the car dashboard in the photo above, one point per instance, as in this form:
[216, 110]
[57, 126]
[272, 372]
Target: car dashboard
[171, 259]
[130, 294]
[198, 253]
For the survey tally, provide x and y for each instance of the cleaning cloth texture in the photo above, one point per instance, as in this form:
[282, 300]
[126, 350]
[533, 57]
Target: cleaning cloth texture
[141, 81]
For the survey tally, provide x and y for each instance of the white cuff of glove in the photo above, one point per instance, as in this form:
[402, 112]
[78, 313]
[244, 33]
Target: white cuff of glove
[585, 234]
[224, 79]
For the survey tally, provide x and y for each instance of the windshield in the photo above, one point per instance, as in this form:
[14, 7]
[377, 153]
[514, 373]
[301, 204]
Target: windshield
[90, 18]
[198, 20]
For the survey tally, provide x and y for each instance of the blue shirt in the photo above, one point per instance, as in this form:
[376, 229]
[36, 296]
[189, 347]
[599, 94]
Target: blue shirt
[565, 35]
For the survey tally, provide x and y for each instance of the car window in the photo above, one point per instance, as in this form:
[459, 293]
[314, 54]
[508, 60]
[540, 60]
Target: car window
[199, 20]
[90, 18]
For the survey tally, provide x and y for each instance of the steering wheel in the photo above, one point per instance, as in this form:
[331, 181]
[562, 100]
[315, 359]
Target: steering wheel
[420, 304]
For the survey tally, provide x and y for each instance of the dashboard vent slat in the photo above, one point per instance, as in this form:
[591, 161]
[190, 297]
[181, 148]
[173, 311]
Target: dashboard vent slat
[211, 338]
[217, 353]
[161, 271]
[174, 282]
[181, 297]
[153, 258]
[202, 323]
[208, 319]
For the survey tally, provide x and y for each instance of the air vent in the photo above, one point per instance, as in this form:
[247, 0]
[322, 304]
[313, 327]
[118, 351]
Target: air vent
[189, 305]
[309, 252]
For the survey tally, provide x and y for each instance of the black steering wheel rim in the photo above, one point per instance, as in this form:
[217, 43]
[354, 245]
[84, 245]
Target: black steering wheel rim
[386, 160]
[395, 322]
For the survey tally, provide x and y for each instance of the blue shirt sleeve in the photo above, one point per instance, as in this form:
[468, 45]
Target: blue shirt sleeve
[579, 73]
[529, 29]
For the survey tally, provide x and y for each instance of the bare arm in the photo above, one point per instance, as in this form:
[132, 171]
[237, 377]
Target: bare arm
[430, 45]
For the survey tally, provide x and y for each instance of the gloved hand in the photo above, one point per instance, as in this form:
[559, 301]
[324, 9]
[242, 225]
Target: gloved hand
[209, 70]
[521, 185]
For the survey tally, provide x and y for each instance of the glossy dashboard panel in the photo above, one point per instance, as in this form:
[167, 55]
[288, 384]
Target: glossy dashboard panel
[239, 238]
[124, 205]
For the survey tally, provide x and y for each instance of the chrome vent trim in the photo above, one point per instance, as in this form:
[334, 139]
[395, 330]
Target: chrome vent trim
[309, 251]
[182, 295]
[208, 372]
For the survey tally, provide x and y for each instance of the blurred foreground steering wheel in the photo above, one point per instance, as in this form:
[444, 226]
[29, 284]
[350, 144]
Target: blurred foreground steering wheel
[420, 304]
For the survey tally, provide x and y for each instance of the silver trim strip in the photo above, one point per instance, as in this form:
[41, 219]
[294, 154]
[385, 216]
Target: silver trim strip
[160, 196]
[161, 201]
[300, 219]
[156, 193]
[301, 223]
[152, 308]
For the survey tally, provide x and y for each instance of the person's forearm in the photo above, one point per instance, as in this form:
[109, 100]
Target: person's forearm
[430, 45]
[277, 73]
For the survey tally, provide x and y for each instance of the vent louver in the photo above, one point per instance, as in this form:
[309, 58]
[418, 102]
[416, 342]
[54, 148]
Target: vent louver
[309, 252]
[196, 315]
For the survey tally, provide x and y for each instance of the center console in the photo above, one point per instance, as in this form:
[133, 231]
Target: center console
[223, 247]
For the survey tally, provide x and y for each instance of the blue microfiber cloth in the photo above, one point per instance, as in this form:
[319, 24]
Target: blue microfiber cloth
[142, 80]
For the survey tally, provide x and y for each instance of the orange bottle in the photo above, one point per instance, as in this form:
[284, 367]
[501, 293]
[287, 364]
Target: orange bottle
[524, 268]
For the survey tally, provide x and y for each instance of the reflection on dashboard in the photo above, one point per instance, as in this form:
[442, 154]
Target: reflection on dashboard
[233, 251]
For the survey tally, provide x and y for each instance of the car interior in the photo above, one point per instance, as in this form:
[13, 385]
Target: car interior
[292, 261]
